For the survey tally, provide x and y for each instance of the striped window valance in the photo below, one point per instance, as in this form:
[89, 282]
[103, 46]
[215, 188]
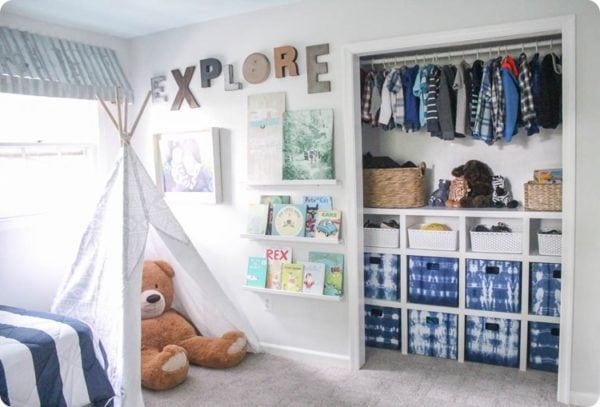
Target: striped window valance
[33, 64]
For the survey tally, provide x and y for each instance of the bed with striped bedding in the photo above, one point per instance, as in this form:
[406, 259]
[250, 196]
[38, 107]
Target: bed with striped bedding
[50, 360]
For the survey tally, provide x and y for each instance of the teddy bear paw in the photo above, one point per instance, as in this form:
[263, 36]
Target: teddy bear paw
[238, 344]
[176, 361]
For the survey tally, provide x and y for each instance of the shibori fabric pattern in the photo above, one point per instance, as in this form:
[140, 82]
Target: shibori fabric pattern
[382, 327]
[544, 291]
[494, 285]
[433, 280]
[492, 340]
[381, 276]
[432, 334]
[50, 360]
[543, 346]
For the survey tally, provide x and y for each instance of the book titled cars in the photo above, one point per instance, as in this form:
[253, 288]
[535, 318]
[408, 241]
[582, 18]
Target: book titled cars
[328, 224]
[288, 220]
[292, 277]
[256, 275]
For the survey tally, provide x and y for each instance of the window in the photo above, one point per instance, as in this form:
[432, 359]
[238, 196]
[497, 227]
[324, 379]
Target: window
[47, 153]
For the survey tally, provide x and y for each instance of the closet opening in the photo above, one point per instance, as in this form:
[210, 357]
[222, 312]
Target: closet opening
[440, 286]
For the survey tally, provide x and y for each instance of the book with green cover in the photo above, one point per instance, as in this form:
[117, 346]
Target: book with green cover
[334, 271]
[256, 275]
[291, 277]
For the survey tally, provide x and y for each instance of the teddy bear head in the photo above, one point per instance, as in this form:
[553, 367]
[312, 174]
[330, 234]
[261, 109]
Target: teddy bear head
[157, 288]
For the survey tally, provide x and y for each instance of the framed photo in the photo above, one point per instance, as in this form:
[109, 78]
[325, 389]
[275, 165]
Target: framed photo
[188, 164]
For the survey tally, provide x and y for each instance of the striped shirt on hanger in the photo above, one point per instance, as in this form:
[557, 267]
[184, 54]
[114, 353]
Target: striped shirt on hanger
[433, 88]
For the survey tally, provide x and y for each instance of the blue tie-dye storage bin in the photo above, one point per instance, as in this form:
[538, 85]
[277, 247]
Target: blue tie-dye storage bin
[492, 340]
[432, 334]
[544, 291]
[494, 285]
[433, 280]
[381, 276]
[382, 327]
[543, 346]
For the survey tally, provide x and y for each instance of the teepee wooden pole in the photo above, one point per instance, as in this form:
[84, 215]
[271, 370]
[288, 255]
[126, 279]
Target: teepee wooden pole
[118, 100]
[139, 116]
[111, 117]
[125, 115]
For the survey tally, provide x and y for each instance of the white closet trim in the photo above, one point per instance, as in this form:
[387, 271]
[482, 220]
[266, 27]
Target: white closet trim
[565, 26]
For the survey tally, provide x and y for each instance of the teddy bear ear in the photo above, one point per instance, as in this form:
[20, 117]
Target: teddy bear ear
[166, 267]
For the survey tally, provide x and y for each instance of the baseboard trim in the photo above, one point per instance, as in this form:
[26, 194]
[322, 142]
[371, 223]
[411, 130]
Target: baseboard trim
[307, 355]
[584, 399]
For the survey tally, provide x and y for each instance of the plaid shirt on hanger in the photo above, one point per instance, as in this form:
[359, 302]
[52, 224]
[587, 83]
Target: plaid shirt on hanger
[366, 97]
[527, 107]
[483, 119]
[497, 99]
[397, 97]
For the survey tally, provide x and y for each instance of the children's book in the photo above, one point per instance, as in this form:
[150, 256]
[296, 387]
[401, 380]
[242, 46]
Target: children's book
[328, 224]
[276, 257]
[291, 277]
[270, 200]
[334, 271]
[288, 220]
[258, 216]
[314, 277]
[256, 275]
[314, 203]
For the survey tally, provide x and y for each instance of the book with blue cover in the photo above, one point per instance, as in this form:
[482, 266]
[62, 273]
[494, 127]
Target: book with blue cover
[313, 204]
[334, 271]
[256, 275]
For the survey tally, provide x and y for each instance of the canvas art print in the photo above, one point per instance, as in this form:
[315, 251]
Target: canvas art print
[188, 163]
[308, 145]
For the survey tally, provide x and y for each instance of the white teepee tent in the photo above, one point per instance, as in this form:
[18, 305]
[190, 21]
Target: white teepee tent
[103, 287]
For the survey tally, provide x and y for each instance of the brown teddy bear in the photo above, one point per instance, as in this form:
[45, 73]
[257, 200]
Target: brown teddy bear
[170, 342]
[478, 178]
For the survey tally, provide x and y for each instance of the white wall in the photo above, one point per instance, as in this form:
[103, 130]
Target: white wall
[324, 326]
[37, 251]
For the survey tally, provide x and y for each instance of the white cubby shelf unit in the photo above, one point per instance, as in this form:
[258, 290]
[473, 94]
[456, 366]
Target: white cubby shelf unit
[462, 220]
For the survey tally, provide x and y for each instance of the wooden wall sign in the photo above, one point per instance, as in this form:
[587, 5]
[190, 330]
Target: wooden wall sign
[255, 70]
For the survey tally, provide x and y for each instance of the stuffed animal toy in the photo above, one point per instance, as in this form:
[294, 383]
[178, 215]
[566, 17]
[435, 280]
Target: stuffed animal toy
[458, 190]
[169, 342]
[501, 196]
[440, 195]
[479, 181]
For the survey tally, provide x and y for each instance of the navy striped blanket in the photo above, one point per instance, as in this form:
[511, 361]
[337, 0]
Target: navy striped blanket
[50, 360]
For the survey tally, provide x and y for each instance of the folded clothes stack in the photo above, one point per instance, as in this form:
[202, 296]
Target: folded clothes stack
[500, 227]
[389, 224]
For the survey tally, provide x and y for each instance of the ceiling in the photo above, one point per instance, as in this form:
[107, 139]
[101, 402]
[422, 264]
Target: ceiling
[133, 18]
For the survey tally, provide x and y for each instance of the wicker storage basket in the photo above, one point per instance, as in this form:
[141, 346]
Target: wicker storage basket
[496, 242]
[549, 245]
[380, 237]
[394, 187]
[432, 239]
[543, 197]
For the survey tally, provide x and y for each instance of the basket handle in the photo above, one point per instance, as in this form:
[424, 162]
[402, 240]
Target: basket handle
[422, 167]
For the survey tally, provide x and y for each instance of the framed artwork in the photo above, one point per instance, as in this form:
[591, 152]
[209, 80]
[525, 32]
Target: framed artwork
[188, 164]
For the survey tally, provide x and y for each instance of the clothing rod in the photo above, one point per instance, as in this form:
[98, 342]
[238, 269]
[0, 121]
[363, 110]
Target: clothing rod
[483, 51]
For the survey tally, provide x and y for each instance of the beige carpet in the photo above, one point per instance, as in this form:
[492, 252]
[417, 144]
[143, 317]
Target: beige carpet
[387, 379]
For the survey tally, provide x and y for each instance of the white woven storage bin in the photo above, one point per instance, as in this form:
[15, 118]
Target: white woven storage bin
[497, 242]
[382, 237]
[432, 239]
[550, 245]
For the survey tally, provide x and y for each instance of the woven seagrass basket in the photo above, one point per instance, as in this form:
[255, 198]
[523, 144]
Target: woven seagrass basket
[394, 187]
[543, 197]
